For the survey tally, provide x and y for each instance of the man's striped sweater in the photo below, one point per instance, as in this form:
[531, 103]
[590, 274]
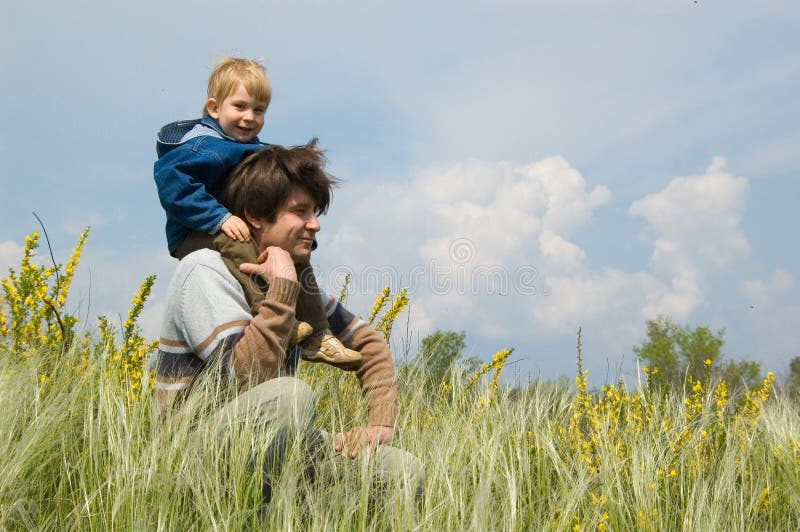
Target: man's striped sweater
[207, 321]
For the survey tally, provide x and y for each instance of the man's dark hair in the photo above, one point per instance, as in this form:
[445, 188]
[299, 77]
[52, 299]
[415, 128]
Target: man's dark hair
[260, 184]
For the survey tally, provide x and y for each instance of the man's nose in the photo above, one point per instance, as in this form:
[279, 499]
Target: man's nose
[312, 224]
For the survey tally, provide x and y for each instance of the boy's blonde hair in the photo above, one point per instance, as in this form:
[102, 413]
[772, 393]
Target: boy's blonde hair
[229, 72]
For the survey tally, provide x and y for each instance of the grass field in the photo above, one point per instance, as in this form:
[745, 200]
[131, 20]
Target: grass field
[79, 450]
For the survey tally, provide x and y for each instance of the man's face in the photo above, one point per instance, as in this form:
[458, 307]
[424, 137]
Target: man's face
[294, 227]
[240, 115]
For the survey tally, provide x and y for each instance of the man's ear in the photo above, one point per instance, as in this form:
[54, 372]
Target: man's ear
[212, 108]
[255, 223]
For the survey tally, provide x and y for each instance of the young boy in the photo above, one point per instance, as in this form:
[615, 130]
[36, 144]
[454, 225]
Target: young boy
[194, 158]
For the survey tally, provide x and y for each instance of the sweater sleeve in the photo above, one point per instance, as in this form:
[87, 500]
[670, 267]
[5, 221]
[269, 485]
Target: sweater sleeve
[261, 350]
[376, 375]
[376, 370]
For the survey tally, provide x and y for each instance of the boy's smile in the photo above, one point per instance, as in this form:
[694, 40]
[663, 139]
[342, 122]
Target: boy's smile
[240, 115]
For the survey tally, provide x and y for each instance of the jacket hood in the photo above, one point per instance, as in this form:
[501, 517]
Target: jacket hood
[170, 135]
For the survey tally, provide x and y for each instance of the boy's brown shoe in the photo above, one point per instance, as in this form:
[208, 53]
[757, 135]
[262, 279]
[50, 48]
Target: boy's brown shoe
[300, 332]
[325, 347]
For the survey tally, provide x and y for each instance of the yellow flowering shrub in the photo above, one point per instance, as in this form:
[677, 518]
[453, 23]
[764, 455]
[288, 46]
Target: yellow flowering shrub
[34, 318]
[380, 302]
[126, 361]
[332, 385]
[399, 303]
[604, 428]
[33, 303]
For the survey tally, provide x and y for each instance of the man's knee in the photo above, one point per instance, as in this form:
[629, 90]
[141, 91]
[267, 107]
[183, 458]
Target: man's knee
[397, 463]
[283, 401]
[288, 399]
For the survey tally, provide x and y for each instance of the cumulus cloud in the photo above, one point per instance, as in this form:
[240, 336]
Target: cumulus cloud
[106, 280]
[576, 299]
[697, 218]
[10, 254]
[761, 292]
[499, 207]
[678, 300]
[771, 314]
[477, 238]
[74, 221]
[694, 223]
[558, 253]
[493, 249]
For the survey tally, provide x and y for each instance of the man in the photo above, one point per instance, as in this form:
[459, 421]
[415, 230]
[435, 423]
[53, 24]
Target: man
[209, 334]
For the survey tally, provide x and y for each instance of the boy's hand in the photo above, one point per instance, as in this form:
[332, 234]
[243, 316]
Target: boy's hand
[236, 229]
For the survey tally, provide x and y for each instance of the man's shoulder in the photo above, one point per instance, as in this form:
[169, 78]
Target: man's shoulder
[208, 258]
[202, 274]
[205, 263]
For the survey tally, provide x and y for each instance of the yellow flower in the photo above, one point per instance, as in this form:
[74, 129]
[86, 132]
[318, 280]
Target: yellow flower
[387, 320]
[764, 500]
[380, 301]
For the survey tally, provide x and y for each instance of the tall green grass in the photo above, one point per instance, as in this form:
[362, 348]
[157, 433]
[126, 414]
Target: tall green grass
[80, 449]
[78, 454]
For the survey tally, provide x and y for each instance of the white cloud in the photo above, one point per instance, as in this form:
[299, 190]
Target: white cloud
[678, 301]
[760, 292]
[769, 316]
[568, 203]
[593, 297]
[482, 237]
[498, 207]
[558, 253]
[695, 225]
[10, 255]
[472, 216]
[105, 282]
[74, 221]
[697, 218]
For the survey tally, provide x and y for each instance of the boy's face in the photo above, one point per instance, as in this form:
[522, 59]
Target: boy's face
[240, 115]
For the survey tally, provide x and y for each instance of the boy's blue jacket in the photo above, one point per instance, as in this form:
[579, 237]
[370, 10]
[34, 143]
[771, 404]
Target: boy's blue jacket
[189, 174]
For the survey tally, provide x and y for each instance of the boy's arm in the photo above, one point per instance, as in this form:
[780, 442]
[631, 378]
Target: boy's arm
[183, 178]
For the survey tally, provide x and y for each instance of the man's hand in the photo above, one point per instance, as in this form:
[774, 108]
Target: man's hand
[351, 442]
[236, 229]
[273, 262]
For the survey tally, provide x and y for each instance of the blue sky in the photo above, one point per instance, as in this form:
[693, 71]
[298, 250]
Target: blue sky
[525, 168]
